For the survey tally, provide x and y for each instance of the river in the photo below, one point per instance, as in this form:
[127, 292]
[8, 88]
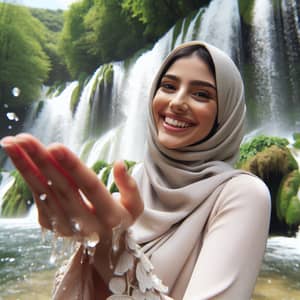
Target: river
[27, 269]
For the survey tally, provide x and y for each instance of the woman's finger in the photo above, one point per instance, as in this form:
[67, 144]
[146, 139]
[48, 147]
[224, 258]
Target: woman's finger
[45, 199]
[130, 195]
[90, 185]
[66, 190]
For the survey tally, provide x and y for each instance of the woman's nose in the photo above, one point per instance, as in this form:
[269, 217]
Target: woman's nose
[178, 103]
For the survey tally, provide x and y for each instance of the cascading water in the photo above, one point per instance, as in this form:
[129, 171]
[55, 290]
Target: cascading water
[124, 133]
[264, 59]
[220, 26]
[291, 30]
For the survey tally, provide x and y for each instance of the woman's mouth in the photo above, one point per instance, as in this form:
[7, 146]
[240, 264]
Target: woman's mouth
[173, 124]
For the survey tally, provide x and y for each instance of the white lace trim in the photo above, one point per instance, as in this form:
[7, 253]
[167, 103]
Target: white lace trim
[133, 277]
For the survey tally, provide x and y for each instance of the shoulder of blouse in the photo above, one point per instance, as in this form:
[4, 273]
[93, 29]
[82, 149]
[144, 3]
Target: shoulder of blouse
[245, 190]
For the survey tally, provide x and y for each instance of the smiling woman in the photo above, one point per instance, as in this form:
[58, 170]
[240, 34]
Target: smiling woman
[185, 104]
[181, 204]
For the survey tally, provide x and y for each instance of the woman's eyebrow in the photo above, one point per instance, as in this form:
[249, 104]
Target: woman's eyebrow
[203, 83]
[193, 82]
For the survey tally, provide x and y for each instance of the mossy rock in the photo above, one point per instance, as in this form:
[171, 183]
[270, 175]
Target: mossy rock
[258, 144]
[272, 165]
[271, 160]
[288, 203]
[18, 199]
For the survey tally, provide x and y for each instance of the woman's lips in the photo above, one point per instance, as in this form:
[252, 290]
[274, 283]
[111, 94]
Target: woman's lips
[176, 124]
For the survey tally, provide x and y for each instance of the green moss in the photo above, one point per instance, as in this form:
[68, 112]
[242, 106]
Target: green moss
[18, 199]
[83, 78]
[288, 189]
[176, 32]
[103, 82]
[296, 137]
[99, 165]
[56, 89]
[129, 166]
[258, 144]
[293, 212]
[75, 98]
[246, 10]
[197, 24]
[270, 161]
[86, 149]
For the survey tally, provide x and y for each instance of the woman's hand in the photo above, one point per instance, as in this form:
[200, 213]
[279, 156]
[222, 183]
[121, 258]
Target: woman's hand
[70, 198]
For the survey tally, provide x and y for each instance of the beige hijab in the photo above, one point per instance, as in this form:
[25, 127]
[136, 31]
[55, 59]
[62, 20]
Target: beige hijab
[179, 187]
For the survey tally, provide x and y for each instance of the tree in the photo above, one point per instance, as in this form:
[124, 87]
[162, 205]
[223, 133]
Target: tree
[96, 32]
[53, 21]
[73, 45]
[23, 63]
[159, 15]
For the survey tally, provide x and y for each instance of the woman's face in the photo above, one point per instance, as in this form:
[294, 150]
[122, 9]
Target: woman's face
[185, 104]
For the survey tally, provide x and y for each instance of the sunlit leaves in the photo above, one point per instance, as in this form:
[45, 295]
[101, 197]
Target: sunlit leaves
[23, 63]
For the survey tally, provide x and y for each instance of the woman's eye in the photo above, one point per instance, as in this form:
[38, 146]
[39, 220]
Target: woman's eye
[167, 86]
[202, 94]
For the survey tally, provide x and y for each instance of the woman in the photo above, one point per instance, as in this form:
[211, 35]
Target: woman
[202, 223]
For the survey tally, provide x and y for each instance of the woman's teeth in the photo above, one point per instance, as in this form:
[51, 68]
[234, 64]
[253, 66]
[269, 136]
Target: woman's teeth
[176, 123]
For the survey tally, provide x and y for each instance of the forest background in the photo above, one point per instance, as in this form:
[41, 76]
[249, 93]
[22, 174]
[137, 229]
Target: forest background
[48, 47]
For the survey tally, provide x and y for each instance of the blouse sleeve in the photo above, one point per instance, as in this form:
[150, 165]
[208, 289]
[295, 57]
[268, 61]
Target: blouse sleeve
[234, 242]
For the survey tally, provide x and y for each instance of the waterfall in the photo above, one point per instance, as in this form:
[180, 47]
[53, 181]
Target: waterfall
[264, 59]
[125, 136]
[110, 123]
[220, 26]
[54, 120]
[291, 29]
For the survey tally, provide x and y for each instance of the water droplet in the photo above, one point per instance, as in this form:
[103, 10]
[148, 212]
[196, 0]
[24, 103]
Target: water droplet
[90, 242]
[5, 105]
[75, 226]
[12, 116]
[43, 234]
[53, 256]
[16, 91]
[43, 197]
[49, 182]
[28, 202]
[9, 127]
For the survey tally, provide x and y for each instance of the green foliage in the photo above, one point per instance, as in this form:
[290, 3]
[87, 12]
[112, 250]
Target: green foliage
[246, 10]
[296, 137]
[52, 19]
[99, 31]
[287, 203]
[72, 44]
[106, 169]
[17, 199]
[77, 92]
[158, 16]
[99, 165]
[258, 144]
[23, 63]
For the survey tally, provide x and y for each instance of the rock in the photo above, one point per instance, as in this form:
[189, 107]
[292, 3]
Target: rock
[288, 203]
[276, 166]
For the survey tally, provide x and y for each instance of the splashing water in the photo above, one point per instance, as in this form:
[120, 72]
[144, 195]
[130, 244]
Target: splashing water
[16, 92]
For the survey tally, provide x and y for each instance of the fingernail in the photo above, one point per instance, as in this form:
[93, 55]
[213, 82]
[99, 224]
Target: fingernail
[6, 141]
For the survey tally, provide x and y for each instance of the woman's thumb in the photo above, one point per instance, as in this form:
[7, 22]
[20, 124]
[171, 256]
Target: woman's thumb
[130, 196]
